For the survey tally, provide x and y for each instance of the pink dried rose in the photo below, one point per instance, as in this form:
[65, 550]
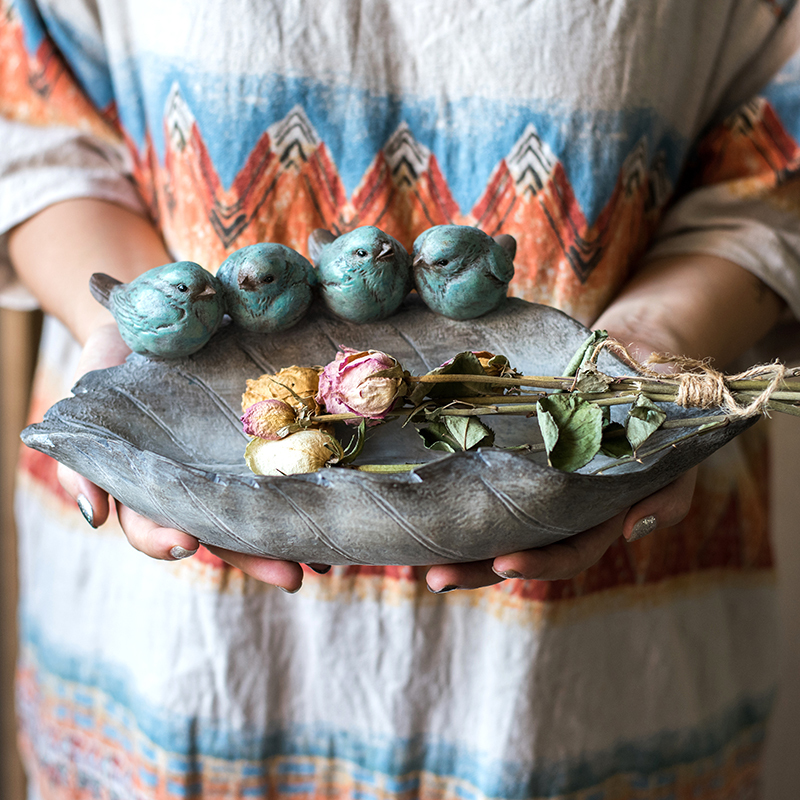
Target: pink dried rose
[268, 419]
[364, 382]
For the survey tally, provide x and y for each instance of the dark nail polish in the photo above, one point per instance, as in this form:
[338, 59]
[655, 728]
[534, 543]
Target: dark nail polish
[444, 589]
[320, 569]
[86, 509]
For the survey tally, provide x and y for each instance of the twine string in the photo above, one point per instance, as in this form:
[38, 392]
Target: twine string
[699, 384]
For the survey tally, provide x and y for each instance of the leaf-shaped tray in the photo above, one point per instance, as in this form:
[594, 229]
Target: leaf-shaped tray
[164, 437]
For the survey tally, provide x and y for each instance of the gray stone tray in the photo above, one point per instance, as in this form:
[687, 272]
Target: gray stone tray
[165, 438]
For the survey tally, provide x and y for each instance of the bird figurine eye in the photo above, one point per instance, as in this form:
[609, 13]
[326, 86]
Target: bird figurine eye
[269, 279]
[442, 262]
[182, 287]
[361, 253]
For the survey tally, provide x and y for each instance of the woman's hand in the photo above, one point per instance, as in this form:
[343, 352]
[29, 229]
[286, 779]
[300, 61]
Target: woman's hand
[104, 348]
[563, 560]
[694, 305]
[55, 253]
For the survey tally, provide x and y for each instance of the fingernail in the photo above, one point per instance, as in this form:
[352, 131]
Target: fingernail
[320, 569]
[444, 589]
[507, 573]
[86, 509]
[289, 591]
[179, 552]
[644, 526]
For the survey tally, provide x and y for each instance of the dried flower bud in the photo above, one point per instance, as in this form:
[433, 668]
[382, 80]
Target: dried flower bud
[305, 451]
[287, 385]
[366, 382]
[267, 417]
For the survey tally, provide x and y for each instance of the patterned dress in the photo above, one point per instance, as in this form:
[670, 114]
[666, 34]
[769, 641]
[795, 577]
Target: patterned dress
[597, 132]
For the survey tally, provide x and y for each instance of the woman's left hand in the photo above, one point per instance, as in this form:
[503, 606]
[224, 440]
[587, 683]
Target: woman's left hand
[694, 305]
[563, 560]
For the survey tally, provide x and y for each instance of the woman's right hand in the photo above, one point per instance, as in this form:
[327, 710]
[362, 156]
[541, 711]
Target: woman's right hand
[104, 348]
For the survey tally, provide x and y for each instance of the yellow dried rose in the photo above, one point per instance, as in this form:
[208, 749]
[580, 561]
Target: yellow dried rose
[305, 451]
[288, 385]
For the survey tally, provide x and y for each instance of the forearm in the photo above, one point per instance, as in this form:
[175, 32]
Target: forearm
[56, 252]
[696, 305]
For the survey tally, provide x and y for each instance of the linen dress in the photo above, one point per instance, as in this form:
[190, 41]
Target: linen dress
[597, 134]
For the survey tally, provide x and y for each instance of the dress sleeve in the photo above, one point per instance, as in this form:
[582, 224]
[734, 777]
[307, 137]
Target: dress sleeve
[741, 200]
[59, 137]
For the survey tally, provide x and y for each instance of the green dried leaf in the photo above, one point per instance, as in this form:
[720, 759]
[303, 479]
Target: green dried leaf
[453, 433]
[644, 418]
[572, 430]
[468, 432]
[590, 379]
[501, 364]
[465, 363]
[356, 444]
[435, 437]
[614, 442]
[584, 352]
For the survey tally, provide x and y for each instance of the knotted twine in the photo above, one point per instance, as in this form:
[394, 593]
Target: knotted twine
[699, 384]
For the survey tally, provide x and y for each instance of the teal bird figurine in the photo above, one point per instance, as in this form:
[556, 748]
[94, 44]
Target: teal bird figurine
[267, 287]
[169, 311]
[461, 272]
[364, 275]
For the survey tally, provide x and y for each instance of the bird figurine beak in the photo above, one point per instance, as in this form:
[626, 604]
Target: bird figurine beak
[386, 253]
[247, 279]
[418, 260]
[207, 293]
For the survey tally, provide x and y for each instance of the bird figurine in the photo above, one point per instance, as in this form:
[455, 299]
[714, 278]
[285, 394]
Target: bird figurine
[364, 275]
[461, 272]
[267, 287]
[168, 312]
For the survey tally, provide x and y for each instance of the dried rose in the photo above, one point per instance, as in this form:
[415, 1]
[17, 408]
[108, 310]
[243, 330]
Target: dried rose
[267, 417]
[288, 385]
[363, 382]
[305, 451]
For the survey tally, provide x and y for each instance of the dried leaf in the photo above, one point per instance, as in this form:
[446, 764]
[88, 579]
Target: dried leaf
[469, 432]
[584, 352]
[356, 444]
[435, 437]
[614, 442]
[590, 379]
[644, 418]
[465, 363]
[454, 433]
[572, 430]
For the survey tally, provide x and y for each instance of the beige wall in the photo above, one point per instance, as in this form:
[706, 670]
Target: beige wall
[17, 333]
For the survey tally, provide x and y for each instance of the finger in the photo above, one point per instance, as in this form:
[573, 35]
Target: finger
[286, 575]
[150, 538]
[666, 507]
[473, 575]
[561, 560]
[91, 499]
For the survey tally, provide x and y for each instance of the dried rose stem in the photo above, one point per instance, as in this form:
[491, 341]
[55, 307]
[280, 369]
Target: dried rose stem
[667, 384]
[623, 390]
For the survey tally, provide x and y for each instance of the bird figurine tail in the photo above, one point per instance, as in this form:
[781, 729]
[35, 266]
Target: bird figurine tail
[100, 285]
